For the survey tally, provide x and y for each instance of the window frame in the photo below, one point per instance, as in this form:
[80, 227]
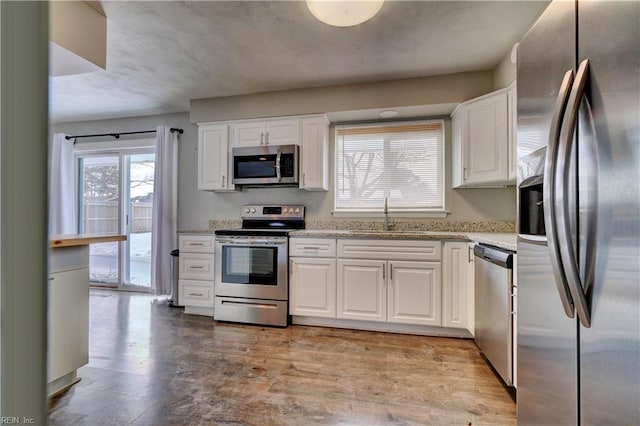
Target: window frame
[408, 212]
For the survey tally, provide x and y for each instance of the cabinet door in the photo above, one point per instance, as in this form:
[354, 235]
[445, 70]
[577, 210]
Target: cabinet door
[312, 287]
[485, 147]
[68, 322]
[414, 293]
[361, 289]
[457, 135]
[196, 293]
[213, 158]
[455, 264]
[196, 266]
[196, 243]
[513, 133]
[282, 132]
[248, 133]
[314, 171]
[471, 290]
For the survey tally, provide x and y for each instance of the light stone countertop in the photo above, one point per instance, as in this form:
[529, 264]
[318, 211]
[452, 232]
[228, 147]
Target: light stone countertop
[502, 240]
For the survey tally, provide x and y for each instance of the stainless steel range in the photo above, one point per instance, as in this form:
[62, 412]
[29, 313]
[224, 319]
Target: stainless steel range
[252, 267]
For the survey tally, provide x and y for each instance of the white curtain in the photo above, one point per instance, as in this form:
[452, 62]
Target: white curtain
[62, 187]
[165, 209]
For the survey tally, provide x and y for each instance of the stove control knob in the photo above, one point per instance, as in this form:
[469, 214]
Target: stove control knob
[297, 210]
[290, 210]
[246, 210]
[253, 210]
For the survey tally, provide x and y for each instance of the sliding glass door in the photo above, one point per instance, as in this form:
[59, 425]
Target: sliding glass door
[116, 196]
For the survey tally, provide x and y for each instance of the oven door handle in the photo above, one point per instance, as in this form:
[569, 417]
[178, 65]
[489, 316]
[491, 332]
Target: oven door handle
[251, 242]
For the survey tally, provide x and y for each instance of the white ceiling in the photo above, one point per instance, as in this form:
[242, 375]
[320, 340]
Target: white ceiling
[161, 54]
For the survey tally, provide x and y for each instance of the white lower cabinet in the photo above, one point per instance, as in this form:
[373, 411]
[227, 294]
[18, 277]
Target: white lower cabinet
[398, 284]
[458, 285]
[400, 281]
[68, 322]
[312, 277]
[361, 289]
[391, 291]
[312, 287]
[414, 293]
[196, 273]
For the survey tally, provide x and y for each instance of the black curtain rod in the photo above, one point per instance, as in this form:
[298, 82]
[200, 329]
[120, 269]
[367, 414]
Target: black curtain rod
[117, 135]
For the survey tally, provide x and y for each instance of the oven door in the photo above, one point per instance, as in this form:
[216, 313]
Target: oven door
[252, 267]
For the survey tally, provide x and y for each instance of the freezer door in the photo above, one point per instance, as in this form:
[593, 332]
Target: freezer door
[547, 345]
[609, 143]
[547, 351]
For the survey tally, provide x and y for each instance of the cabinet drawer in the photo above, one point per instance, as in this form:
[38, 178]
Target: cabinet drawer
[196, 243]
[389, 249]
[196, 293]
[312, 247]
[196, 266]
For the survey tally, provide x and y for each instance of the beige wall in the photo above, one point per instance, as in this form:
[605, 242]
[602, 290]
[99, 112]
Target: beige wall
[197, 207]
[442, 89]
[23, 211]
[504, 73]
[71, 18]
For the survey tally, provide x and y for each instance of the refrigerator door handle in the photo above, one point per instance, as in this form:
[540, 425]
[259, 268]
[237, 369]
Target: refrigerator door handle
[567, 250]
[549, 196]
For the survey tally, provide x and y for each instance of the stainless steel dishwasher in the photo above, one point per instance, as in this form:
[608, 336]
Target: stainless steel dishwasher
[494, 308]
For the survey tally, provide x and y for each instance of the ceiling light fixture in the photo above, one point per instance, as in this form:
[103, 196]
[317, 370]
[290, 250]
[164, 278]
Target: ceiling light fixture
[388, 113]
[344, 13]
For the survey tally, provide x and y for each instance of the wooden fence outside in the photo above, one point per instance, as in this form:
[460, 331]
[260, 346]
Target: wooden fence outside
[102, 217]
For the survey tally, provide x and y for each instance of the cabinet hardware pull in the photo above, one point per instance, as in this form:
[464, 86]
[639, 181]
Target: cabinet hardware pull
[196, 266]
[303, 178]
[223, 177]
[391, 271]
[195, 294]
[290, 266]
[383, 272]
[310, 248]
[261, 138]
[196, 244]
[266, 138]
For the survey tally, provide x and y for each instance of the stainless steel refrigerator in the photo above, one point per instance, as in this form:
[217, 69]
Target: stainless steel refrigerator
[578, 264]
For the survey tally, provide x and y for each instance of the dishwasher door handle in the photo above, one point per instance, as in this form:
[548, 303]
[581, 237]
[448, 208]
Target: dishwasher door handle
[503, 258]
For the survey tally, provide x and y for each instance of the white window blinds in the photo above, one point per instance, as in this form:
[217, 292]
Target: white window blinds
[403, 162]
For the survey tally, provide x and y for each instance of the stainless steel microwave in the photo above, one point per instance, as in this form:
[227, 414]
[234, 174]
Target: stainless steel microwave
[268, 165]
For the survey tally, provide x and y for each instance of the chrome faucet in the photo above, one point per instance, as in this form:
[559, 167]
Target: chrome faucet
[387, 223]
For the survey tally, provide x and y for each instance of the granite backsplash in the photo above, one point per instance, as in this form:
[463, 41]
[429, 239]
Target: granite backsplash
[398, 225]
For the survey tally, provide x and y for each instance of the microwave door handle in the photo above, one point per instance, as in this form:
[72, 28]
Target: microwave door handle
[278, 170]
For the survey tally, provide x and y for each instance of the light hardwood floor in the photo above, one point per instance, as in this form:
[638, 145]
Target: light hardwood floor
[154, 365]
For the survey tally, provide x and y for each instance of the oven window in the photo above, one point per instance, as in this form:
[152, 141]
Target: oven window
[250, 265]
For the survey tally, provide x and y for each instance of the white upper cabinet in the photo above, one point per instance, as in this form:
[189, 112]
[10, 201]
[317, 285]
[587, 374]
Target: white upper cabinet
[310, 133]
[314, 161]
[248, 133]
[213, 158]
[513, 132]
[266, 132]
[480, 149]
